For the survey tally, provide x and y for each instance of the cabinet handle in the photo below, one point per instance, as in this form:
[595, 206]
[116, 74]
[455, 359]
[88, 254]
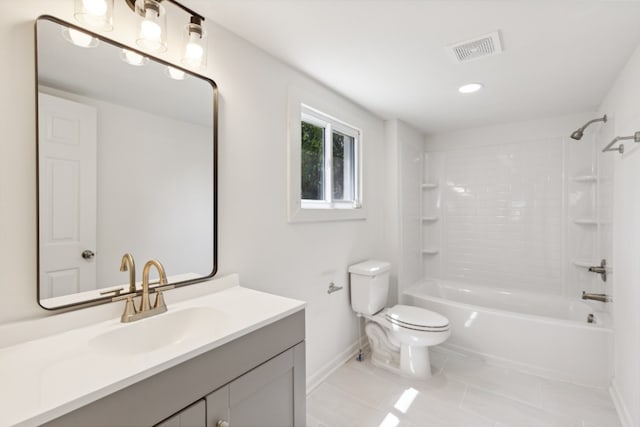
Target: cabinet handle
[222, 423]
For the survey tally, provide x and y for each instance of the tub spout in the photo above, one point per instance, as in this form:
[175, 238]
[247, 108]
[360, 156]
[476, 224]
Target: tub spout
[596, 297]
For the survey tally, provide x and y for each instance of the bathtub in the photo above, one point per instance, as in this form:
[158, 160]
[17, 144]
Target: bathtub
[542, 334]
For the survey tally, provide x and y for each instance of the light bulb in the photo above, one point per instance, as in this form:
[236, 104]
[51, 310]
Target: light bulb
[195, 47]
[149, 29]
[97, 14]
[175, 74]
[133, 58]
[152, 26]
[193, 51]
[95, 7]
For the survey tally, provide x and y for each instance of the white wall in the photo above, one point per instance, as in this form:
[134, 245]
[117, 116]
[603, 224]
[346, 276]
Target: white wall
[622, 104]
[255, 239]
[408, 146]
[506, 202]
[404, 146]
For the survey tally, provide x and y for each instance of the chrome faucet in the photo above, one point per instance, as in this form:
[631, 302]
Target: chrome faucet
[596, 297]
[145, 309]
[128, 264]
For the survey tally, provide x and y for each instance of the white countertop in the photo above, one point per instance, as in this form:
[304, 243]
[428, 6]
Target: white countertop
[52, 375]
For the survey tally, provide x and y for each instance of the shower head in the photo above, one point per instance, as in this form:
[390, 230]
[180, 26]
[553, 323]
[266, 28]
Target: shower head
[579, 133]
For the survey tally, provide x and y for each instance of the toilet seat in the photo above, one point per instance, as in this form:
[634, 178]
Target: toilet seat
[416, 318]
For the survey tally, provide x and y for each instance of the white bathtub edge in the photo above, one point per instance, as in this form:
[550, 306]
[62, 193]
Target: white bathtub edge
[526, 368]
[584, 361]
[621, 408]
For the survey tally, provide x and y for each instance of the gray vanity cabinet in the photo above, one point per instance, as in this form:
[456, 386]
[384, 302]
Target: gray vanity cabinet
[255, 380]
[193, 416]
[260, 398]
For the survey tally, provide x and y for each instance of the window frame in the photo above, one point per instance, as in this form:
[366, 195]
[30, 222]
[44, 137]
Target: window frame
[322, 110]
[316, 118]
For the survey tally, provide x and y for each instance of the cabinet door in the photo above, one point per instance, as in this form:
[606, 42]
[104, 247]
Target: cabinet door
[192, 416]
[264, 396]
[218, 408]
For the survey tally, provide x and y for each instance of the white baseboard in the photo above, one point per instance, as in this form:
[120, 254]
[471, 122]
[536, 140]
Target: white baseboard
[315, 379]
[621, 408]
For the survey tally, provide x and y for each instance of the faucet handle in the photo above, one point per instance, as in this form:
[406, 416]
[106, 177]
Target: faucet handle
[129, 307]
[160, 306]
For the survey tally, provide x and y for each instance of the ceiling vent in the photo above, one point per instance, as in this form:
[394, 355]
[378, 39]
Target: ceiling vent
[479, 47]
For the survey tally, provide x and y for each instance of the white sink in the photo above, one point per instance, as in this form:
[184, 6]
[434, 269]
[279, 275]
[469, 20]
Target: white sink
[153, 333]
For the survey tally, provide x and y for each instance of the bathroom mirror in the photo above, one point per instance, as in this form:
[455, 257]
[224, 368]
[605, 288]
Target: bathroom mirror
[126, 163]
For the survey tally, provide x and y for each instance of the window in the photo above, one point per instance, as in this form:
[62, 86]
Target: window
[324, 157]
[329, 166]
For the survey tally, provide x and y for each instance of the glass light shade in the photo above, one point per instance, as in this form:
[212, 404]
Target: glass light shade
[152, 35]
[97, 14]
[79, 38]
[175, 73]
[133, 58]
[195, 46]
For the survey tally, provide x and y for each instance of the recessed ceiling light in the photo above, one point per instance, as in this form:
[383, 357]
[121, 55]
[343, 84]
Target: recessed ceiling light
[470, 88]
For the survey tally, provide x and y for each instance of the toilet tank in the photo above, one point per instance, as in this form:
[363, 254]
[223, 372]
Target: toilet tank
[369, 286]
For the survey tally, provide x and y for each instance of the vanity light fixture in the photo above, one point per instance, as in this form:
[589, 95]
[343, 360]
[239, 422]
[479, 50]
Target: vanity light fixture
[97, 14]
[152, 35]
[133, 58]
[470, 88]
[79, 38]
[152, 26]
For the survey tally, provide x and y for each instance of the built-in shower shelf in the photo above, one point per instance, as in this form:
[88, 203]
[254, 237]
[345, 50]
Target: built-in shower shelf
[430, 251]
[584, 263]
[586, 221]
[586, 178]
[429, 185]
[429, 218]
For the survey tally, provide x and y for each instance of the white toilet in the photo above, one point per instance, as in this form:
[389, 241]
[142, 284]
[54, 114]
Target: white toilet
[399, 336]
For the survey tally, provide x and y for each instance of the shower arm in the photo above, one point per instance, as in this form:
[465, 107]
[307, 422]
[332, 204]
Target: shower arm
[601, 119]
[620, 148]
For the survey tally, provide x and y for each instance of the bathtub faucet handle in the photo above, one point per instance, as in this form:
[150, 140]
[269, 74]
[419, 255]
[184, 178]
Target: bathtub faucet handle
[601, 270]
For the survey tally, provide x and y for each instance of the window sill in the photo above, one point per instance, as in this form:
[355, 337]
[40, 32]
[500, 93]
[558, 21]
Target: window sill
[324, 212]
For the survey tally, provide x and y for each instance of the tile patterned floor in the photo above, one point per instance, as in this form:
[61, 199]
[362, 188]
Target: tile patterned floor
[463, 392]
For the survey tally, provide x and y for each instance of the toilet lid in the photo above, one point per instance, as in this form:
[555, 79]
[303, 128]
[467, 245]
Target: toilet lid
[417, 318]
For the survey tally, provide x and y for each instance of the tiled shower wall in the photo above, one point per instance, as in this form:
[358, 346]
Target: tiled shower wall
[511, 212]
[501, 214]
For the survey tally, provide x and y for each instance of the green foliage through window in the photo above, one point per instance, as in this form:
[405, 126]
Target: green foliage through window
[312, 162]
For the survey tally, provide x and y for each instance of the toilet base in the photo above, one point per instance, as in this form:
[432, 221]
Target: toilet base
[408, 361]
[415, 362]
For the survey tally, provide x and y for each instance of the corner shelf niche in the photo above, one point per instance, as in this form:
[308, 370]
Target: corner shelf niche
[586, 221]
[592, 179]
[429, 219]
[430, 251]
[429, 185]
